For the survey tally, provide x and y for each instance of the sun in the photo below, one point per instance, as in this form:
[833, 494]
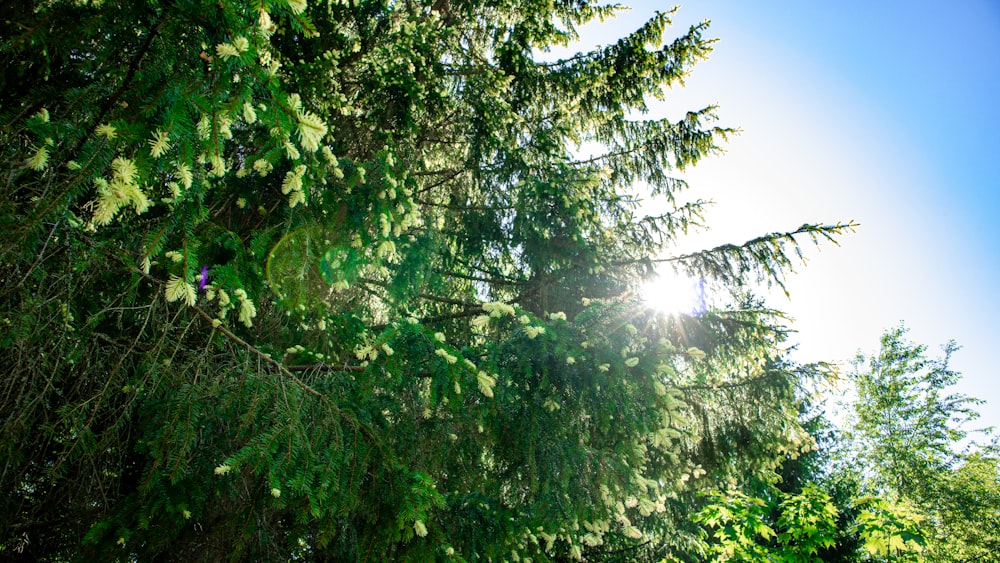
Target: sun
[674, 294]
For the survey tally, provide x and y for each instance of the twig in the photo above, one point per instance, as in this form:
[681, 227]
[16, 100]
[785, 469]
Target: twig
[232, 336]
[229, 334]
[325, 367]
[41, 253]
[133, 67]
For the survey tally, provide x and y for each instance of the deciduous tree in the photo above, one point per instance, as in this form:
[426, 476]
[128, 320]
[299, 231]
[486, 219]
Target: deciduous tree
[905, 438]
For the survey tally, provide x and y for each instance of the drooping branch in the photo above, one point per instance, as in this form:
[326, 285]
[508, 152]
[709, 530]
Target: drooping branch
[243, 343]
[256, 351]
[766, 256]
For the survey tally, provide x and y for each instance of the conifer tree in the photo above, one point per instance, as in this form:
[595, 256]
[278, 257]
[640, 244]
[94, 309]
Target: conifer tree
[331, 280]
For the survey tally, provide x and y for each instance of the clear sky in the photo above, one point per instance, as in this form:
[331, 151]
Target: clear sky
[886, 113]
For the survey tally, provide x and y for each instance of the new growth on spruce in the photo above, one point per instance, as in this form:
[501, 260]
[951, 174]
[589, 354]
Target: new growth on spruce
[331, 280]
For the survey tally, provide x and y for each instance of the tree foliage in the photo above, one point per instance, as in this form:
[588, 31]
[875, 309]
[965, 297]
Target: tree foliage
[967, 512]
[894, 484]
[811, 511]
[333, 281]
[905, 425]
[904, 439]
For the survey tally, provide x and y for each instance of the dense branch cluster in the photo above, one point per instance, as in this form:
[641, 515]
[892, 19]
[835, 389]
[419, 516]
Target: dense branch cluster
[332, 281]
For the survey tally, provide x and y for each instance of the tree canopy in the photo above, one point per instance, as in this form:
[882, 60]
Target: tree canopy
[894, 481]
[341, 281]
[905, 438]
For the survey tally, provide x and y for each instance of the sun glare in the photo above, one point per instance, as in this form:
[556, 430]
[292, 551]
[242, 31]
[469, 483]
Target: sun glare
[674, 293]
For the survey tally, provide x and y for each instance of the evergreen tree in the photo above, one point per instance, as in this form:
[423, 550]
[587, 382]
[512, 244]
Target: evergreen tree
[331, 280]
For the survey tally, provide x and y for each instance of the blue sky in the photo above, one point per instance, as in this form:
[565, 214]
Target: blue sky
[886, 113]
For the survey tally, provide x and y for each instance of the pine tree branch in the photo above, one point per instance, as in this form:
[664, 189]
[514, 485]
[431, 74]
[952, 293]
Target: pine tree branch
[458, 302]
[451, 316]
[731, 384]
[256, 351]
[133, 67]
[249, 347]
[766, 255]
[493, 281]
[463, 208]
[325, 367]
[449, 176]
[826, 232]
[427, 296]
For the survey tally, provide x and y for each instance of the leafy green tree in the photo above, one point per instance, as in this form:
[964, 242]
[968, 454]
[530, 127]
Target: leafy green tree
[333, 281]
[803, 528]
[811, 509]
[904, 439]
[745, 529]
[905, 426]
[967, 519]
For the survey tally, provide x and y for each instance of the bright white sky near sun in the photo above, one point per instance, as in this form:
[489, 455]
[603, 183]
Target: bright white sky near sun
[886, 113]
